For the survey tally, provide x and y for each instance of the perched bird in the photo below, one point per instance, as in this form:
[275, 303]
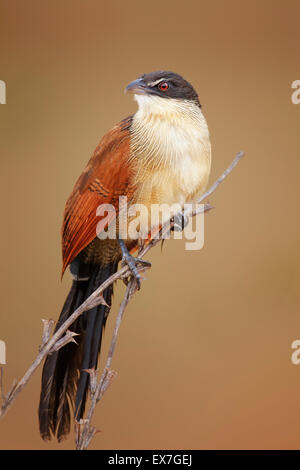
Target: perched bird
[159, 155]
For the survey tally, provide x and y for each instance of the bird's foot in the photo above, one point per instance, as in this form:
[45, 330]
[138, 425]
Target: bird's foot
[132, 262]
[179, 222]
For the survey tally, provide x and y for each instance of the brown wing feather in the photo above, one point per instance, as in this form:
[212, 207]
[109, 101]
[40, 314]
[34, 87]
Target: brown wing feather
[106, 177]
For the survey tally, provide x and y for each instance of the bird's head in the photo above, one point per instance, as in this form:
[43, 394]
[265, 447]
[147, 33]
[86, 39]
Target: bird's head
[162, 90]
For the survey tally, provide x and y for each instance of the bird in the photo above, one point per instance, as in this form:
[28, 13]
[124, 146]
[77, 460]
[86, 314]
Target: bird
[159, 155]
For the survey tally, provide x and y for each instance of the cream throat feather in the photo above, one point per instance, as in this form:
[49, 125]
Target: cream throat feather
[170, 148]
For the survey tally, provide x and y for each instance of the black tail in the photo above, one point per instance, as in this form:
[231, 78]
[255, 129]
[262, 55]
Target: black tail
[64, 382]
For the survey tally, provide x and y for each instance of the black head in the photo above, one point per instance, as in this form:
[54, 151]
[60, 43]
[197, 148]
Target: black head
[164, 85]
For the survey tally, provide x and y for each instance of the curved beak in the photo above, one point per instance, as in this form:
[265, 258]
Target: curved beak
[137, 87]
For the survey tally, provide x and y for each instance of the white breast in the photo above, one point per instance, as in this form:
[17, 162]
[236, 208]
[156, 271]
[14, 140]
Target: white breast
[171, 137]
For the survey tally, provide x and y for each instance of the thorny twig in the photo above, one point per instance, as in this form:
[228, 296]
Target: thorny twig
[84, 432]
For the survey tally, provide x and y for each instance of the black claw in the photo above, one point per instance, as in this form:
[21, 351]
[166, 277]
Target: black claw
[129, 260]
[132, 263]
[180, 221]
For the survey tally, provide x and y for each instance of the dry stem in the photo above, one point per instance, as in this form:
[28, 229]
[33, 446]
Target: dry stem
[84, 431]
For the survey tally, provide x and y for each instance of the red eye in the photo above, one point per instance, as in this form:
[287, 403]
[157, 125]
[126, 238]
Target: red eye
[163, 86]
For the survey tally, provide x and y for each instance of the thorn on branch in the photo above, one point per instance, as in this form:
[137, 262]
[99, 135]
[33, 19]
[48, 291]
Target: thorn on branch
[67, 338]
[205, 208]
[98, 300]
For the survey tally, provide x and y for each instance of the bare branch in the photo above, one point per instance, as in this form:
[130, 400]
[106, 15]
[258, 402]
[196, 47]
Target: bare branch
[84, 431]
[2, 396]
[67, 338]
[107, 375]
[47, 328]
[94, 299]
[93, 379]
[236, 160]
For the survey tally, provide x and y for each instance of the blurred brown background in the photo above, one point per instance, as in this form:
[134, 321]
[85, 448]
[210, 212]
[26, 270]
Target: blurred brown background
[203, 357]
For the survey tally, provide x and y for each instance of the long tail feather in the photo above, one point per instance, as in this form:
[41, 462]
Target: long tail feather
[64, 382]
